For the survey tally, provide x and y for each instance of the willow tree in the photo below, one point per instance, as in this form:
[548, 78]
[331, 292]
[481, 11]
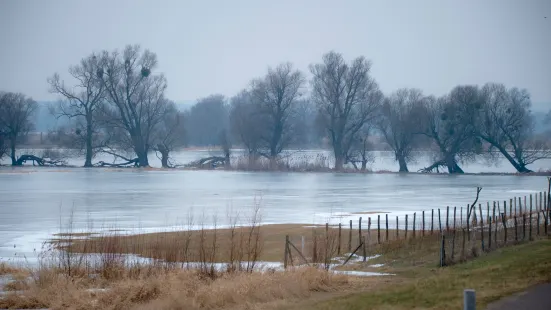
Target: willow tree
[347, 98]
[277, 95]
[80, 102]
[135, 99]
[399, 123]
[16, 111]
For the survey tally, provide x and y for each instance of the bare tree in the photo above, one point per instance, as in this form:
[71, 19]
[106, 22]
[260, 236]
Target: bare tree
[135, 99]
[16, 111]
[507, 124]
[347, 97]
[170, 133]
[81, 102]
[448, 121]
[206, 120]
[398, 123]
[277, 94]
[246, 122]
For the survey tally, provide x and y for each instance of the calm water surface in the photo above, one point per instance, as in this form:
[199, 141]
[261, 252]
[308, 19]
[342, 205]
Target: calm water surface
[35, 203]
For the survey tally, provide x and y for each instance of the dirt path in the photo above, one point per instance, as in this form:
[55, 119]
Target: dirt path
[536, 298]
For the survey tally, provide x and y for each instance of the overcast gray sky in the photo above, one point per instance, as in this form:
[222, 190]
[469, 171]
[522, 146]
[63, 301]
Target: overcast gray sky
[207, 47]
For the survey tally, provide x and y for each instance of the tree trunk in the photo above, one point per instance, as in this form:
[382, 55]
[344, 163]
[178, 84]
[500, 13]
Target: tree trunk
[364, 164]
[453, 167]
[339, 162]
[403, 164]
[12, 154]
[164, 159]
[518, 166]
[88, 160]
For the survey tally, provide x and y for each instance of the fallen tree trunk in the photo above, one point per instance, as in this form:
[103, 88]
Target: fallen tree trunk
[39, 161]
[130, 163]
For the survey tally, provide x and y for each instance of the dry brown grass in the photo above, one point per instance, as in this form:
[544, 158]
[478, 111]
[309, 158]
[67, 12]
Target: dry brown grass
[158, 288]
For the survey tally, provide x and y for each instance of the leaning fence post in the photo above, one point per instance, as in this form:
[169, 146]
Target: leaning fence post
[469, 300]
[350, 237]
[286, 252]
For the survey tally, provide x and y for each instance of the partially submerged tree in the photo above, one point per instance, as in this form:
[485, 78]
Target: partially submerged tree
[347, 97]
[135, 99]
[507, 124]
[399, 123]
[170, 134]
[448, 122]
[277, 94]
[81, 103]
[16, 111]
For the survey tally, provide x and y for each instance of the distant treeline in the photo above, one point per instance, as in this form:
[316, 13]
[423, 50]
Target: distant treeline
[115, 103]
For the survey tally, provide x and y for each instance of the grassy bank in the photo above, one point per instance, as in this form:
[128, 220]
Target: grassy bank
[493, 276]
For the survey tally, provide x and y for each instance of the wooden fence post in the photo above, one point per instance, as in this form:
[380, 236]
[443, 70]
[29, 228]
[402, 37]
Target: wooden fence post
[530, 236]
[489, 231]
[406, 227]
[360, 231]
[350, 237]
[504, 218]
[414, 217]
[511, 208]
[516, 208]
[386, 215]
[538, 224]
[481, 227]
[432, 221]
[461, 216]
[495, 226]
[379, 229]
[339, 245]
[397, 229]
[443, 251]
